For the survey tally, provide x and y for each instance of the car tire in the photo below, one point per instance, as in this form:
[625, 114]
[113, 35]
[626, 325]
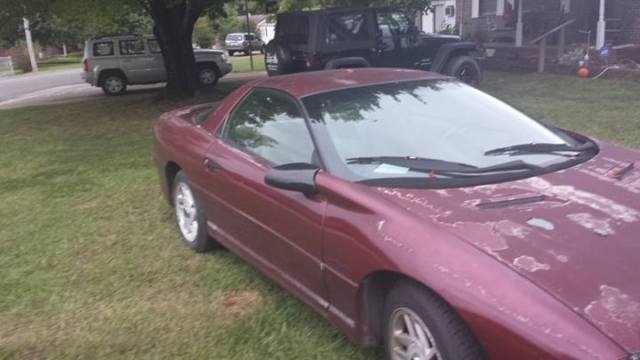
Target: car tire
[417, 321]
[231, 53]
[466, 69]
[207, 75]
[277, 59]
[262, 49]
[114, 84]
[190, 217]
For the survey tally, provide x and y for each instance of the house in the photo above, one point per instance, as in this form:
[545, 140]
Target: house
[440, 17]
[519, 21]
[267, 28]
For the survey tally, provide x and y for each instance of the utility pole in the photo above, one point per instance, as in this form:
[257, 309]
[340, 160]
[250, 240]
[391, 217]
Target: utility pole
[246, 7]
[32, 55]
[601, 27]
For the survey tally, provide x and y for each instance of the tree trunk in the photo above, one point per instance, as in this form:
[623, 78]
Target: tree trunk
[173, 27]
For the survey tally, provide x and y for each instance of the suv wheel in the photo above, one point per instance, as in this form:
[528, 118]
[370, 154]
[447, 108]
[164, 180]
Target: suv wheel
[207, 75]
[231, 52]
[114, 85]
[466, 69]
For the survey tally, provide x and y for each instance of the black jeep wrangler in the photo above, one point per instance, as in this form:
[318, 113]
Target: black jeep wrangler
[348, 38]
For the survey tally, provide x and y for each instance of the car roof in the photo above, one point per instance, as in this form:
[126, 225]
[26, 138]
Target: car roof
[313, 82]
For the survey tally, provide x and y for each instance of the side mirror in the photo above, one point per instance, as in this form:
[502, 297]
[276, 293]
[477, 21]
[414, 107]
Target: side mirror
[298, 177]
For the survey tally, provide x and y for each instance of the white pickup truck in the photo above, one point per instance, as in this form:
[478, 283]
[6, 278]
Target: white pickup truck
[112, 63]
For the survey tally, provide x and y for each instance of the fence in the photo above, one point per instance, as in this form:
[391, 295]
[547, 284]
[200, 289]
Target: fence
[6, 66]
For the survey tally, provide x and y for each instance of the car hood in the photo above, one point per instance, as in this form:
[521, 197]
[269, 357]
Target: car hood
[575, 233]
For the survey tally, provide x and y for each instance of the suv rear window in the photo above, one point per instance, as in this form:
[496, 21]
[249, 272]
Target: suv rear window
[293, 29]
[103, 48]
[235, 37]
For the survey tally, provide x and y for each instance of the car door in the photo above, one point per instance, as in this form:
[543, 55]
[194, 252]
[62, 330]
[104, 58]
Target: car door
[347, 34]
[395, 42]
[135, 61]
[279, 231]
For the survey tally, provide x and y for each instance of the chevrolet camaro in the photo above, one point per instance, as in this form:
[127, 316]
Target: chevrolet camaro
[413, 211]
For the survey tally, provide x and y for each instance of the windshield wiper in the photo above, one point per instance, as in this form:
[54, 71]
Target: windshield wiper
[442, 167]
[540, 148]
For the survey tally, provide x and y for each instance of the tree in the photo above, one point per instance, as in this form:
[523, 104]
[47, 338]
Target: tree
[174, 21]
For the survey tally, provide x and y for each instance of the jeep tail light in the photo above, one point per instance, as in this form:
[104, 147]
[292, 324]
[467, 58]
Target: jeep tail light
[85, 65]
[310, 60]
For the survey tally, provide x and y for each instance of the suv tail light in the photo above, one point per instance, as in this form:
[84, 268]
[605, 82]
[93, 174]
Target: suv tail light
[85, 65]
[245, 43]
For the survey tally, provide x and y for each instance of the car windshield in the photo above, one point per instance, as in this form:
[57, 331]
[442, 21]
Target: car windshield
[440, 127]
[235, 37]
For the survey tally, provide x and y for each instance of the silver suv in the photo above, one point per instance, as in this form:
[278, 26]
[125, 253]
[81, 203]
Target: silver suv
[243, 43]
[112, 63]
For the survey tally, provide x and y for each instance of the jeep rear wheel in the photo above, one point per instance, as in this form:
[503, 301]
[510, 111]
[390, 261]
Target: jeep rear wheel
[466, 69]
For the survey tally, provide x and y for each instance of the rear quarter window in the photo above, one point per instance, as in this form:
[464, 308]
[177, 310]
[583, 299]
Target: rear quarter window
[346, 28]
[131, 47]
[103, 48]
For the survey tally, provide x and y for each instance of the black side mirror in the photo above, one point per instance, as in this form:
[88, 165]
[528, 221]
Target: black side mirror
[298, 177]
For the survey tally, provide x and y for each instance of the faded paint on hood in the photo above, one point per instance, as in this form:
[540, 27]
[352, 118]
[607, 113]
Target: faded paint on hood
[581, 243]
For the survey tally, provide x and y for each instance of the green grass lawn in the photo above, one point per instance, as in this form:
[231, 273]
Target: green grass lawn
[72, 61]
[92, 265]
[243, 64]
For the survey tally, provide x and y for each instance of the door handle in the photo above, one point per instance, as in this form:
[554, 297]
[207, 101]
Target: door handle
[211, 165]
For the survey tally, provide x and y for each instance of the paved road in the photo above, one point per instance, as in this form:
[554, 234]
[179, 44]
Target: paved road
[66, 86]
[21, 85]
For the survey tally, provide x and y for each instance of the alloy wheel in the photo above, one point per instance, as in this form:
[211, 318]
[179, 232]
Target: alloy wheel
[207, 76]
[410, 339]
[186, 212]
[114, 84]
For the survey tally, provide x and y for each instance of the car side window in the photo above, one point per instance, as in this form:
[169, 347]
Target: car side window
[103, 48]
[154, 47]
[131, 47]
[269, 124]
[344, 28]
[393, 30]
[392, 23]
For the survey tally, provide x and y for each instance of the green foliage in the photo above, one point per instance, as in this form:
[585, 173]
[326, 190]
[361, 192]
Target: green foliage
[232, 20]
[71, 21]
[203, 33]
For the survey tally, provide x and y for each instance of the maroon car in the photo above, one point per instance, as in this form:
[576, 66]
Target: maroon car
[417, 212]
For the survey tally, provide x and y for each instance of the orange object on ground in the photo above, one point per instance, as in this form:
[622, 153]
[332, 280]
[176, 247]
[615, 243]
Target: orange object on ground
[583, 72]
